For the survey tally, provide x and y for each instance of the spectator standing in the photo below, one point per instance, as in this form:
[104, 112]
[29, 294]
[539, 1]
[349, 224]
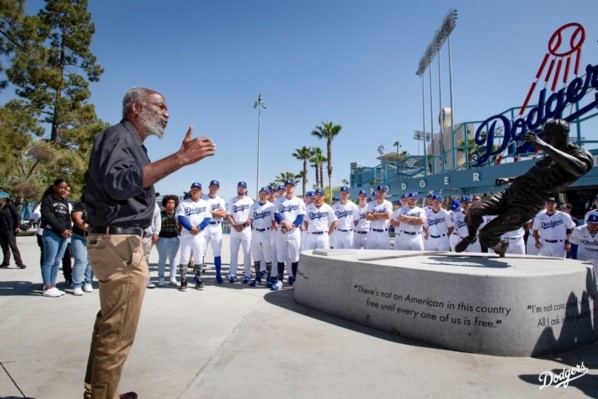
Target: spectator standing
[82, 272]
[169, 241]
[10, 220]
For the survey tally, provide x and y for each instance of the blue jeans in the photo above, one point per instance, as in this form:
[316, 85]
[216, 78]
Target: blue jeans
[82, 273]
[54, 248]
[168, 248]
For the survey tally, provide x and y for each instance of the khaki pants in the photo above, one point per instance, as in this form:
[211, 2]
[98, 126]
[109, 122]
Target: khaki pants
[119, 263]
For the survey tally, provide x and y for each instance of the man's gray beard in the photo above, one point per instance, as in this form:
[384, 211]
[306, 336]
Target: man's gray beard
[152, 123]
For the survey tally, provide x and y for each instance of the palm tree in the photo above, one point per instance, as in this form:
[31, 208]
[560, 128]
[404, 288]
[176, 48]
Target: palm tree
[316, 161]
[284, 176]
[303, 154]
[327, 131]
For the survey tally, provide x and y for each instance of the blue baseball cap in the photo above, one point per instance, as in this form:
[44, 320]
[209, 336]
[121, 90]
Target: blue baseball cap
[242, 184]
[382, 187]
[280, 187]
[196, 184]
[404, 195]
[593, 218]
[455, 205]
[466, 198]
[362, 192]
[291, 182]
[309, 194]
[4, 194]
[215, 183]
[344, 189]
[319, 191]
[430, 195]
[412, 195]
[438, 197]
[264, 189]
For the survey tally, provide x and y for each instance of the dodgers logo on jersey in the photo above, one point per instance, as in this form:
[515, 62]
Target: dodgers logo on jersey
[317, 215]
[240, 208]
[282, 208]
[551, 224]
[342, 214]
[435, 221]
[261, 215]
[195, 211]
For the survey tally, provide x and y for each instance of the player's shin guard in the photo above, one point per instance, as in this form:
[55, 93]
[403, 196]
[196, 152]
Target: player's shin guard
[218, 266]
[268, 270]
[256, 266]
[280, 271]
[294, 267]
[183, 273]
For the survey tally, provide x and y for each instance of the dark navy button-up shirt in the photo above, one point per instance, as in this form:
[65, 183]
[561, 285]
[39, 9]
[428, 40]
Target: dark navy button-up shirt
[114, 191]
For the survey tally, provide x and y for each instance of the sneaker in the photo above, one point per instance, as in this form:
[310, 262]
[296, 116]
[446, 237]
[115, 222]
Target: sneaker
[183, 287]
[277, 286]
[173, 283]
[52, 293]
[77, 291]
[254, 283]
[151, 285]
[271, 281]
[246, 279]
[199, 285]
[219, 279]
[87, 288]
[161, 282]
[262, 274]
[232, 279]
[61, 292]
[292, 280]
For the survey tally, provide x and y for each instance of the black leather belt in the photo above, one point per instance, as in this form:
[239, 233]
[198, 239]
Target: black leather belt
[344, 231]
[552, 241]
[214, 222]
[116, 230]
[412, 233]
[379, 230]
[361, 232]
[438, 236]
[317, 232]
[267, 228]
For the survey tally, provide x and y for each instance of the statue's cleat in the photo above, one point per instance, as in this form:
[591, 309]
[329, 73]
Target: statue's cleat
[501, 248]
[463, 244]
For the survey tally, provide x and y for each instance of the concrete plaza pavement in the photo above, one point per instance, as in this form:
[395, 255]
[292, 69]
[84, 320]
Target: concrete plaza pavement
[234, 341]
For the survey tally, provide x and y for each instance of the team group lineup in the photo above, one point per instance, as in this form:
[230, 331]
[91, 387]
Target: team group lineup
[270, 233]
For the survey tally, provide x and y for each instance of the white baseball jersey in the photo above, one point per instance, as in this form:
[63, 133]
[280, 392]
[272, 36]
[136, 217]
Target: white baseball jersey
[346, 215]
[416, 211]
[320, 218]
[363, 224]
[261, 215]
[238, 209]
[438, 223]
[195, 212]
[375, 207]
[214, 229]
[215, 203]
[553, 227]
[587, 244]
[288, 244]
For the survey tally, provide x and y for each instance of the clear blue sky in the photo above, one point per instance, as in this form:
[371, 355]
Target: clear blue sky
[346, 61]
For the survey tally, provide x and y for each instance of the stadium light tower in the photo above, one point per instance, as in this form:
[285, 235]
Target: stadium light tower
[259, 104]
[440, 37]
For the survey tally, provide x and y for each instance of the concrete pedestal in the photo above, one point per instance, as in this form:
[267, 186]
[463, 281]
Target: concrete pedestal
[479, 303]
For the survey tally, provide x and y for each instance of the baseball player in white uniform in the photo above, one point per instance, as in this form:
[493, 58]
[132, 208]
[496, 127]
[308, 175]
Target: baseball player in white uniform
[213, 231]
[347, 213]
[438, 226]
[584, 241]
[379, 212]
[409, 222]
[194, 216]
[362, 225]
[530, 244]
[516, 242]
[290, 212]
[555, 227]
[319, 222]
[459, 224]
[261, 218]
[237, 213]
[592, 211]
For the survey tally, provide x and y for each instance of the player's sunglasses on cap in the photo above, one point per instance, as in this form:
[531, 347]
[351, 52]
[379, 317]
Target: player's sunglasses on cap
[215, 183]
[196, 184]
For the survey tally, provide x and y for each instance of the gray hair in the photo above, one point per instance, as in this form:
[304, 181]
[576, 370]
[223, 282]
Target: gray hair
[135, 95]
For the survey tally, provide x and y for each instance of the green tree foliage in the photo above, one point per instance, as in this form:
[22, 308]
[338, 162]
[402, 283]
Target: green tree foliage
[303, 154]
[52, 71]
[328, 131]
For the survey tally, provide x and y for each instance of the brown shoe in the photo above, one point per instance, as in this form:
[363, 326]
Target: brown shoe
[501, 248]
[128, 395]
[22, 266]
